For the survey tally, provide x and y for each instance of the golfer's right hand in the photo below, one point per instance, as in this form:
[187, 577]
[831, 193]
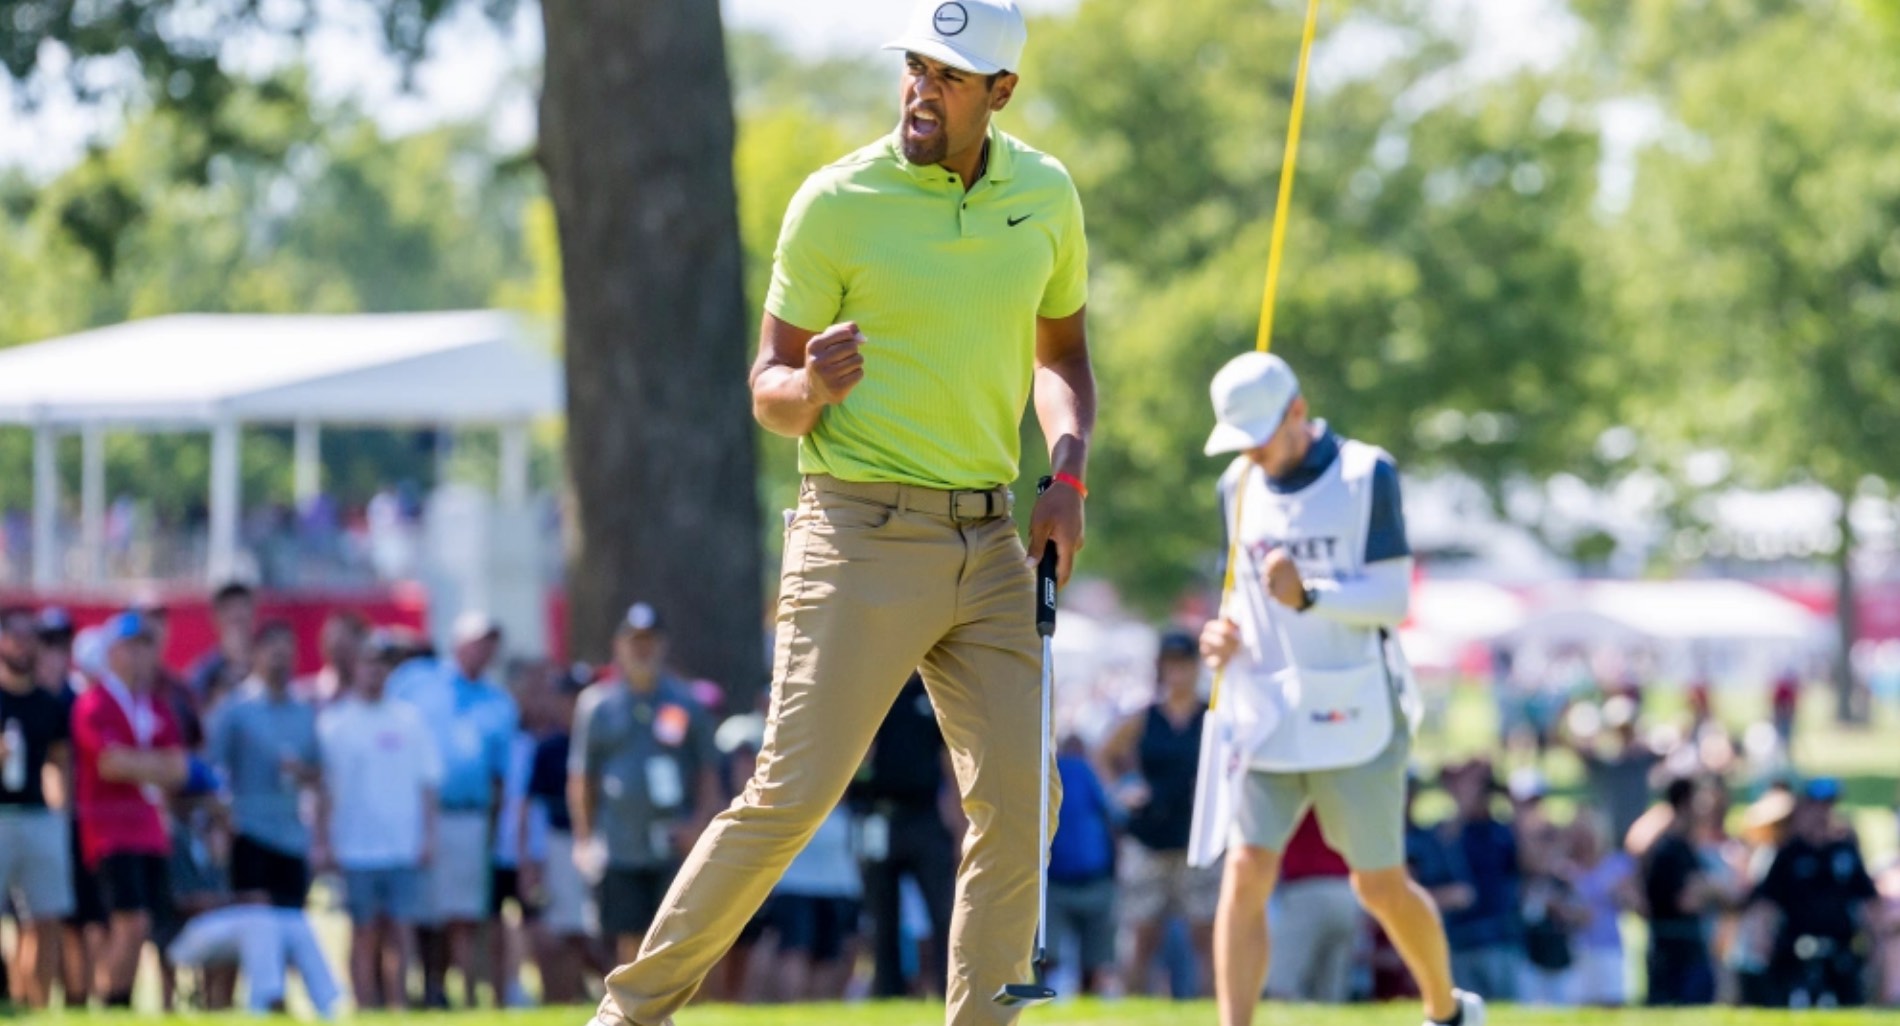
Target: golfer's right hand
[1220, 639]
[833, 363]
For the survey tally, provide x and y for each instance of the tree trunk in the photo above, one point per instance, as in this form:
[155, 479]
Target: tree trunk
[636, 141]
[1846, 703]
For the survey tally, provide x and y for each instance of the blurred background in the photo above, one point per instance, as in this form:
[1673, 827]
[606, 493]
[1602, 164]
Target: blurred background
[327, 296]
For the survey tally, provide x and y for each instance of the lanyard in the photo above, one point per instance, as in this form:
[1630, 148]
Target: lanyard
[138, 711]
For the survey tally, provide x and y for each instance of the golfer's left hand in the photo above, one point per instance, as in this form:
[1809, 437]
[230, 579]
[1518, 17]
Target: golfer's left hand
[1283, 580]
[1058, 518]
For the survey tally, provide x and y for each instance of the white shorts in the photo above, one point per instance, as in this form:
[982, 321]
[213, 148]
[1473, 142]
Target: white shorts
[568, 912]
[36, 866]
[456, 888]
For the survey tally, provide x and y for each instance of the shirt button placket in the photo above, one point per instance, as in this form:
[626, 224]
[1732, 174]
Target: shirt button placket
[963, 207]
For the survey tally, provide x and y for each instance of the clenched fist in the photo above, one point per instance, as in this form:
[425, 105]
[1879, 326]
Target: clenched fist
[833, 364]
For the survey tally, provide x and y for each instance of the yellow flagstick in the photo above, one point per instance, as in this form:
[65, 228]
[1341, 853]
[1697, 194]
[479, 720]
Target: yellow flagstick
[1281, 209]
[1284, 205]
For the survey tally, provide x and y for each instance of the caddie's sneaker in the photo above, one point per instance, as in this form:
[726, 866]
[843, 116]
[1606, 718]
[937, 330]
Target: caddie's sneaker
[1470, 1010]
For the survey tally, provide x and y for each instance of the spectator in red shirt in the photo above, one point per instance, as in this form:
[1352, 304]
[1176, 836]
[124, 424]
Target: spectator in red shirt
[128, 750]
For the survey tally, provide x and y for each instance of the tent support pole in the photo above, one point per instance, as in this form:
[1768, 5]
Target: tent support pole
[45, 506]
[226, 462]
[92, 500]
[514, 464]
[307, 461]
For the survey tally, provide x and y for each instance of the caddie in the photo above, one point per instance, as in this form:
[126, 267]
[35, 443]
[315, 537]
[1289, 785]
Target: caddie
[1317, 706]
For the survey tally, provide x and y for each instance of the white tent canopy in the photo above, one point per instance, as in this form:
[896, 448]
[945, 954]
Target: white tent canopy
[1466, 610]
[1726, 630]
[219, 372]
[1694, 610]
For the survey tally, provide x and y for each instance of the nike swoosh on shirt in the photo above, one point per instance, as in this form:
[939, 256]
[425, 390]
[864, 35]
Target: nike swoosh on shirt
[1014, 221]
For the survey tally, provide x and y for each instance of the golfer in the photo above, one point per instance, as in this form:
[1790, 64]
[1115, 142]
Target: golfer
[925, 287]
[1316, 691]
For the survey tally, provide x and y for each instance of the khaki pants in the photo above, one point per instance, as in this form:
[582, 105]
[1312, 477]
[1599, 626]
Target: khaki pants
[878, 580]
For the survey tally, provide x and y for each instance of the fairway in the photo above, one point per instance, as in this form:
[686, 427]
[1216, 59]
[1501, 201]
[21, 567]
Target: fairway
[1086, 1013]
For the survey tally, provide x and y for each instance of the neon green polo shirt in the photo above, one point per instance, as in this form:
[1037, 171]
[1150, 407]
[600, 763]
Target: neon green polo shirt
[946, 288]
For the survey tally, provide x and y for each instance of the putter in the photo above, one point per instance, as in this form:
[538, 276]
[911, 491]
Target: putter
[1024, 995]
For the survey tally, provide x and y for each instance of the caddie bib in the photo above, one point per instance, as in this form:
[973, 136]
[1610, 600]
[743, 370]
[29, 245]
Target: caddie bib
[1309, 693]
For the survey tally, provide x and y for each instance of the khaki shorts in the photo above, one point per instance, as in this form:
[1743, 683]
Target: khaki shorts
[1156, 884]
[1361, 809]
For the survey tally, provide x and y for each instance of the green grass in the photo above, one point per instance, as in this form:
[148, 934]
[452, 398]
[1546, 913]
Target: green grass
[1087, 1013]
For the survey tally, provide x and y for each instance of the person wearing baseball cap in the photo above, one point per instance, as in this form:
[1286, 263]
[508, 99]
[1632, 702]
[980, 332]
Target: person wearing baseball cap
[1154, 755]
[474, 723]
[127, 751]
[924, 289]
[1321, 578]
[642, 779]
[1819, 887]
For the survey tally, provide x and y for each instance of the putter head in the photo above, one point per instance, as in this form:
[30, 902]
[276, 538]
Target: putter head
[1024, 995]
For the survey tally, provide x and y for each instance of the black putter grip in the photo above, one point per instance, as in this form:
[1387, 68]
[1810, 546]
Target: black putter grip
[1046, 579]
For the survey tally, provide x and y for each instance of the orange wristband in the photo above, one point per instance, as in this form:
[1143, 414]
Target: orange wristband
[1074, 482]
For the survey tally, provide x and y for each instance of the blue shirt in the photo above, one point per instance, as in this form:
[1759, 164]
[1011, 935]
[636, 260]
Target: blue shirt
[1488, 851]
[474, 726]
[1083, 849]
[252, 736]
[1429, 861]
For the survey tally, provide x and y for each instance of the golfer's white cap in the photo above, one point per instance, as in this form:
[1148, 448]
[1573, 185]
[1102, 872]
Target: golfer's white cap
[1251, 395]
[979, 36]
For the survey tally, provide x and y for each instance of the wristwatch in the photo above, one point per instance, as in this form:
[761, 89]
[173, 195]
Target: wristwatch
[1307, 599]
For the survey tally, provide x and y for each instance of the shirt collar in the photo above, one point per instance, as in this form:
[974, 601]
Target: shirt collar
[1002, 166]
[1319, 456]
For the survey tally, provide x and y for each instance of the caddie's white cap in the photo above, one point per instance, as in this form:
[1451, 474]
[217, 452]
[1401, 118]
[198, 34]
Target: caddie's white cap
[979, 36]
[1251, 395]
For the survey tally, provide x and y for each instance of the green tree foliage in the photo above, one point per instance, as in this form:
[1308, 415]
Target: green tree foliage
[1759, 258]
[1435, 299]
[1758, 266]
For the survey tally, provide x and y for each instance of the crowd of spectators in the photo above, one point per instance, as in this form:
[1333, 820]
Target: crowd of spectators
[471, 815]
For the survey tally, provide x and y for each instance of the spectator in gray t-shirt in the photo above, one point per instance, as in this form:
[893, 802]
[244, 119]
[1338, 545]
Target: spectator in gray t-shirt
[265, 743]
[1620, 778]
[642, 778]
